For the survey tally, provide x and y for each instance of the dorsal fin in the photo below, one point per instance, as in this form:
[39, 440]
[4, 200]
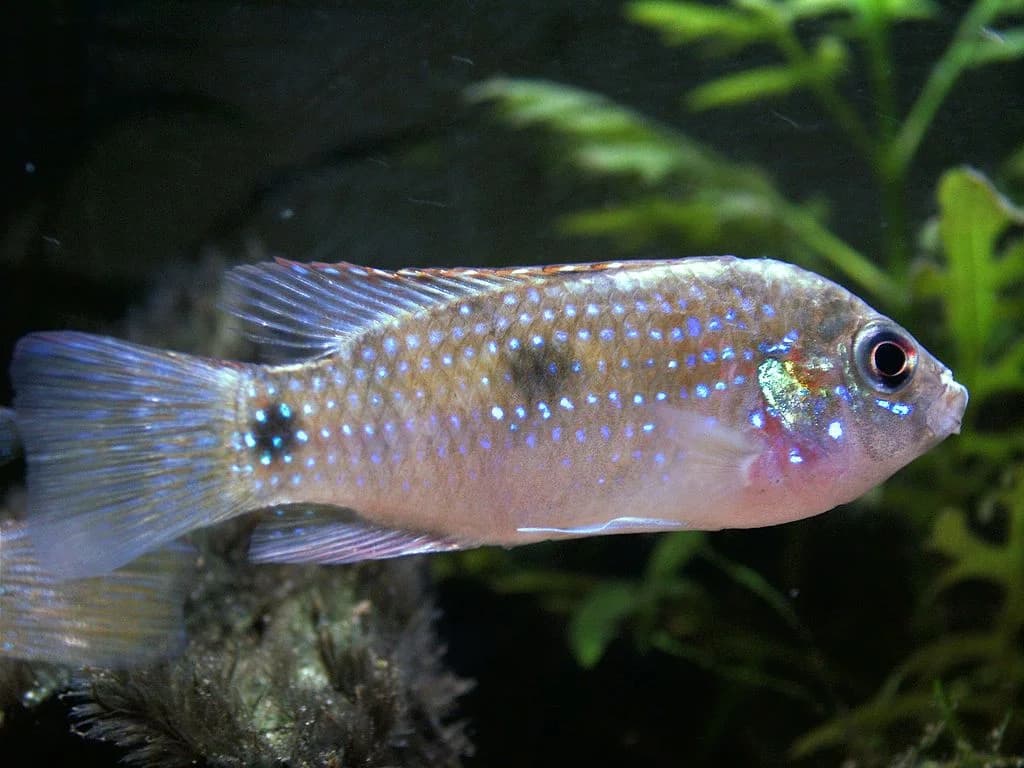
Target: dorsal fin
[297, 311]
[306, 310]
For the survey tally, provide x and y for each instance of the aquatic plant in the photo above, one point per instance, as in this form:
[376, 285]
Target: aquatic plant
[966, 501]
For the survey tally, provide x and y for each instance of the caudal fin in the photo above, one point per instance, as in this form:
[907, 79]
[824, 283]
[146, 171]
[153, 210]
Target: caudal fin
[127, 448]
[129, 617]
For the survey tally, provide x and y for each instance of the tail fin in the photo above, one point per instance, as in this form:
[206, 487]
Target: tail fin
[129, 617]
[127, 447]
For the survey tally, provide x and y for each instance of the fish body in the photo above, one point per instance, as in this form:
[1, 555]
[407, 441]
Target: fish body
[454, 408]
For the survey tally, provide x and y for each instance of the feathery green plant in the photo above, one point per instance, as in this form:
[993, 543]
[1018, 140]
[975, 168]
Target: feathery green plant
[967, 291]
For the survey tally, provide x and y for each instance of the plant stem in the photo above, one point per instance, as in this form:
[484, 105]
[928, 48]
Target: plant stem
[824, 90]
[874, 25]
[943, 76]
[844, 257]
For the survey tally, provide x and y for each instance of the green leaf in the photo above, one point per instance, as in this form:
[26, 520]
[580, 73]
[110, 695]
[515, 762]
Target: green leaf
[898, 10]
[672, 552]
[596, 621]
[973, 216]
[747, 86]
[827, 62]
[681, 23]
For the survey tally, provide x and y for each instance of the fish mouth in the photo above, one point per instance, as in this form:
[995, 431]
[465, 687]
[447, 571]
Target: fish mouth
[947, 412]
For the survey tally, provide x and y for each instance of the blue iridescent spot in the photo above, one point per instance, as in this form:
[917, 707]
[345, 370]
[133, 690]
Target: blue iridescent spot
[581, 435]
[607, 334]
[435, 337]
[768, 310]
[701, 390]
[638, 399]
[715, 324]
[709, 356]
[648, 427]
[720, 386]
[301, 436]
[728, 353]
[691, 361]
[556, 434]
[583, 334]
[497, 413]
[537, 341]
[606, 432]
[739, 380]
[676, 334]
[566, 403]
[369, 354]
[835, 430]
[531, 440]
[756, 419]
[285, 410]
[693, 326]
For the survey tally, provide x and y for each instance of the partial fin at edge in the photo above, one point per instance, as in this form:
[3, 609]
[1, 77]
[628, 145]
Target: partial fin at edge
[130, 617]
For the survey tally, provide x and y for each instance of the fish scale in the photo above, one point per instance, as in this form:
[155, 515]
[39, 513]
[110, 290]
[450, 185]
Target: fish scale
[429, 410]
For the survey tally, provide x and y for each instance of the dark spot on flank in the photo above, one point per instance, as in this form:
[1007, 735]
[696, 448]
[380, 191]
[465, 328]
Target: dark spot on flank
[541, 373]
[273, 431]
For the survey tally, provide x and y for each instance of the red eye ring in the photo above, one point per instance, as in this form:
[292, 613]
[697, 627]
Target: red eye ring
[885, 356]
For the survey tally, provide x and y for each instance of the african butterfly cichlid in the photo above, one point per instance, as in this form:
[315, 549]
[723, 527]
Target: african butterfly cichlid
[450, 408]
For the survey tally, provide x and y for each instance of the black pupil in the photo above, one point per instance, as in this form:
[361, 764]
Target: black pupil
[889, 360]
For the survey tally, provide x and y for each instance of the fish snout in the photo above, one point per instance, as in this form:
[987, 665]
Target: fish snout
[947, 412]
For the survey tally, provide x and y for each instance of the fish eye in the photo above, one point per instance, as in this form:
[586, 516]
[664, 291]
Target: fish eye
[885, 356]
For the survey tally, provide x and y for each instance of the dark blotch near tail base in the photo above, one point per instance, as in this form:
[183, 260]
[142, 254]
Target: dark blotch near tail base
[273, 430]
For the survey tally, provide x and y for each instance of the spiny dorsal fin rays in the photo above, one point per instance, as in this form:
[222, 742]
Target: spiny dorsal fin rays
[307, 310]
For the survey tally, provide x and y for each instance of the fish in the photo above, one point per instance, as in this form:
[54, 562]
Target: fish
[428, 410]
[129, 617]
[10, 445]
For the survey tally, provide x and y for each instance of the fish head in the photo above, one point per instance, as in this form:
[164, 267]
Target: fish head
[854, 397]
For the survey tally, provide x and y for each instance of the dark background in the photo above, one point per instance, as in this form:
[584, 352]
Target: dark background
[139, 137]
